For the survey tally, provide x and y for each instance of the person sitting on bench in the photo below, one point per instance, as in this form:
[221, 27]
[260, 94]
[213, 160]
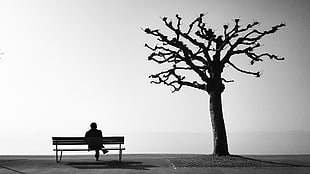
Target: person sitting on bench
[93, 143]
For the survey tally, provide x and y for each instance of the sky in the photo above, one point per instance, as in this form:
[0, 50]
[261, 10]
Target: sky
[67, 63]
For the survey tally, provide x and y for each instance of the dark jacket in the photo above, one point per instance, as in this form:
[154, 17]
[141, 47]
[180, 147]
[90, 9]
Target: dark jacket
[93, 144]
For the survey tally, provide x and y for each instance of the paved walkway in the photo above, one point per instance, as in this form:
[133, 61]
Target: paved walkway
[131, 164]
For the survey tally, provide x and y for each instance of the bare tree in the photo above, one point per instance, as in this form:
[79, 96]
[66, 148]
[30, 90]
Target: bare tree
[198, 49]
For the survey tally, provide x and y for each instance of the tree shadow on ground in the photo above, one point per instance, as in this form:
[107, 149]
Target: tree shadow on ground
[111, 165]
[226, 161]
[276, 163]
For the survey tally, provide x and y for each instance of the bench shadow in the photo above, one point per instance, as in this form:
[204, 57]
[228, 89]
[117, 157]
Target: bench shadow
[110, 165]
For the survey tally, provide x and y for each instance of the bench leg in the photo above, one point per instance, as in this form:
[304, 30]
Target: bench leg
[60, 156]
[57, 153]
[57, 156]
[120, 156]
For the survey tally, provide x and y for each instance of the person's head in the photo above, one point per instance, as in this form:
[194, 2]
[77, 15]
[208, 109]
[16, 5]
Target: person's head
[93, 125]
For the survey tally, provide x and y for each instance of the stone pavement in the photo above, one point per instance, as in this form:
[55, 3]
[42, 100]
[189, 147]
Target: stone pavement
[150, 163]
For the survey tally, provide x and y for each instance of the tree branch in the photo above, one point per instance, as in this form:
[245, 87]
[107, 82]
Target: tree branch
[188, 54]
[257, 74]
[162, 55]
[251, 39]
[195, 42]
[227, 81]
[257, 57]
[170, 78]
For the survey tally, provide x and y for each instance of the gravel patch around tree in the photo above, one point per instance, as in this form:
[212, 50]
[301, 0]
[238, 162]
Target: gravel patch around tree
[223, 161]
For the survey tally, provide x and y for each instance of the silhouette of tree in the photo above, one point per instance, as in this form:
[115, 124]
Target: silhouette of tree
[198, 49]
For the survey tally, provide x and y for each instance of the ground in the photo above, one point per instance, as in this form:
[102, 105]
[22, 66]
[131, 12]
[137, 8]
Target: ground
[156, 163]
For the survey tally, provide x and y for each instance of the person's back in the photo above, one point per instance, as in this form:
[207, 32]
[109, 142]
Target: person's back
[93, 139]
[93, 132]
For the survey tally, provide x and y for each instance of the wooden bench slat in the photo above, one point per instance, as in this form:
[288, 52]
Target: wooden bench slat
[89, 150]
[70, 144]
[74, 143]
[84, 142]
[81, 140]
[118, 138]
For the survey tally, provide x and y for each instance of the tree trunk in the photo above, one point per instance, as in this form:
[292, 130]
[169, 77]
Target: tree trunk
[218, 125]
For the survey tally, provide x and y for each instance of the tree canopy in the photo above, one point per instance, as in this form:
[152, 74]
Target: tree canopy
[197, 48]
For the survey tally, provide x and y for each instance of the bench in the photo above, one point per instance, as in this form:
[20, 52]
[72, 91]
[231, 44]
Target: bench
[113, 143]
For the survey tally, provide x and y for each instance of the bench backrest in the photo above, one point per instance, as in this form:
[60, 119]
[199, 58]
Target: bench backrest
[81, 140]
